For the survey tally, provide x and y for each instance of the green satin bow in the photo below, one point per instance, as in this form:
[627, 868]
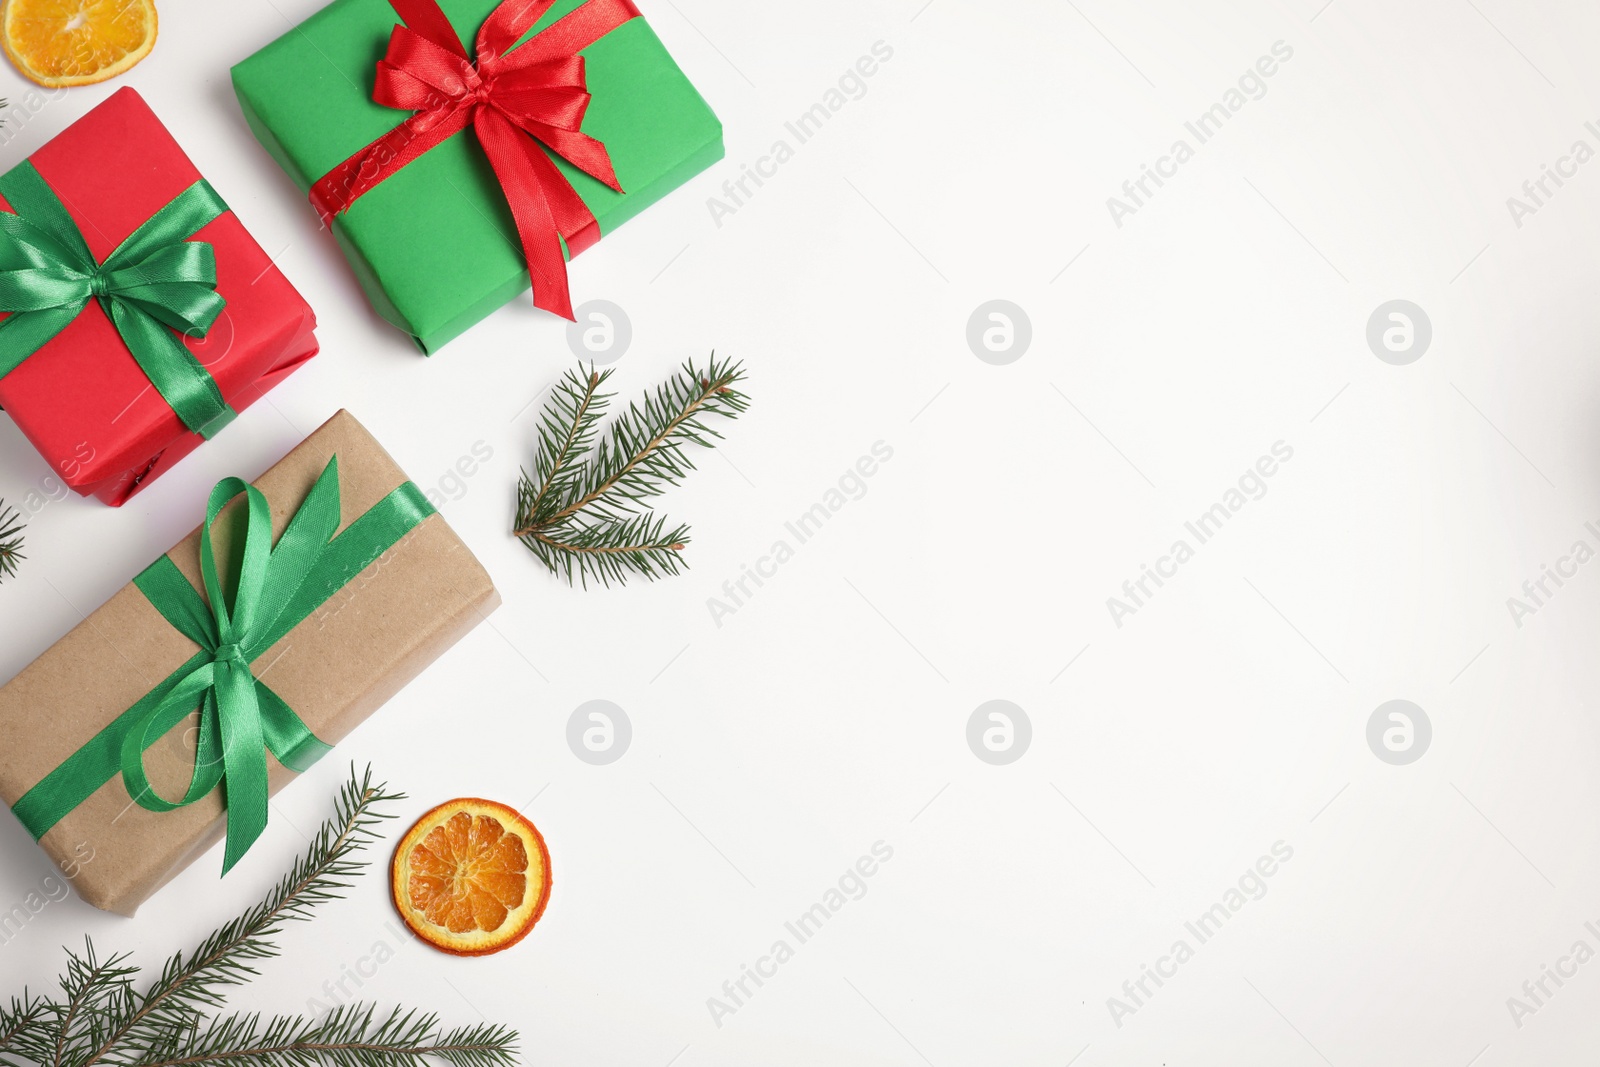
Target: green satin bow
[155, 282]
[273, 589]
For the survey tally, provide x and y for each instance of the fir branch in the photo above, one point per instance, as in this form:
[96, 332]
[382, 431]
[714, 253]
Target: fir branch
[345, 1037]
[566, 429]
[643, 454]
[24, 1036]
[225, 958]
[581, 515]
[100, 1019]
[11, 527]
[93, 990]
[611, 550]
[23, 1013]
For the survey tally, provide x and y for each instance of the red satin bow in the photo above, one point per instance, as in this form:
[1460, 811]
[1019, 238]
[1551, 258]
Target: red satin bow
[515, 100]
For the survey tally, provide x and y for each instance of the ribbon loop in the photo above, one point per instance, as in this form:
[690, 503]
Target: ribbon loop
[174, 285]
[43, 288]
[156, 281]
[522, 102]
[418, 75]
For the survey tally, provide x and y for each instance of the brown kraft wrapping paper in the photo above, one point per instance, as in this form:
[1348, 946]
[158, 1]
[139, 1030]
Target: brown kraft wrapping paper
[334, 669]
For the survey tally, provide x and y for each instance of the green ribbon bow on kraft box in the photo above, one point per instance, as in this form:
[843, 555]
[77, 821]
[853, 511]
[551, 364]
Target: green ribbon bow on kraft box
[170, 715]
[461, 149]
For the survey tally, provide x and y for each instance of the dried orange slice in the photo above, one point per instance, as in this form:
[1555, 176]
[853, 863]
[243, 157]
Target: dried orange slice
[77, 42]
[471, 877]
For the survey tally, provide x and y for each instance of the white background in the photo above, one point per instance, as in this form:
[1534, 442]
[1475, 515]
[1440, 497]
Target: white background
[830, 710]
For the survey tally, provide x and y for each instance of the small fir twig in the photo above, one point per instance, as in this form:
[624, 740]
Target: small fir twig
[580, 510]
[100, 1018]
[11, 527]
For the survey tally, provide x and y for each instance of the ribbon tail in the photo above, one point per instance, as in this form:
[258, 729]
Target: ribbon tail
[288, 737]
[527, 176]
[244, 759]
[177, 375]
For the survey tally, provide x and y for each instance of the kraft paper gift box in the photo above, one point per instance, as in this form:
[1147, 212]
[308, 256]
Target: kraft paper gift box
[82, 399]
[381, 626]
[434, 245]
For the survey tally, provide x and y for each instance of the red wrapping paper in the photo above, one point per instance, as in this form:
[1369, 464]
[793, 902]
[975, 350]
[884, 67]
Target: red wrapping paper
[82, 400]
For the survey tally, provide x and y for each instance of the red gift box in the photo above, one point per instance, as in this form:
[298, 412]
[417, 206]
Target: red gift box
[82, 399]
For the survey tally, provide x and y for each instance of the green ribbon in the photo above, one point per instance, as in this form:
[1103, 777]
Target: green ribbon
[273, 589]
[155, 282]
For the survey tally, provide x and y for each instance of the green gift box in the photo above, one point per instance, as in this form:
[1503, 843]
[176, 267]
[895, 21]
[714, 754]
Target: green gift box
[434, 244]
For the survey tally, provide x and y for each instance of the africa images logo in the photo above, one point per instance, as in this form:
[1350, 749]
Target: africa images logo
[851, 885]
[1250, 885]
[850, 85]
[1251, 485]
[1252, 85]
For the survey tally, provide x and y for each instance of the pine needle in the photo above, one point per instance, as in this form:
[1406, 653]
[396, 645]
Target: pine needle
[581, 510]
[11, 527]
[99, 1017]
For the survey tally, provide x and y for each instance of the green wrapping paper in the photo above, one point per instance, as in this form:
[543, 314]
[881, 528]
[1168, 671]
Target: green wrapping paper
[435, 246]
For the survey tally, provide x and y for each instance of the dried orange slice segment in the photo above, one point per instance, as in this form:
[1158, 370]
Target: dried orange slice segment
[471, 877]
[77, 42]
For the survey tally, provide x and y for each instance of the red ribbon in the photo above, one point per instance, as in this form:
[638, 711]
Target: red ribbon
[518, 102]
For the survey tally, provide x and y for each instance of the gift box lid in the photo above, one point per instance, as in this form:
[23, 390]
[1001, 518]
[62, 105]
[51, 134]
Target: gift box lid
[434, 245]
[82, 399]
